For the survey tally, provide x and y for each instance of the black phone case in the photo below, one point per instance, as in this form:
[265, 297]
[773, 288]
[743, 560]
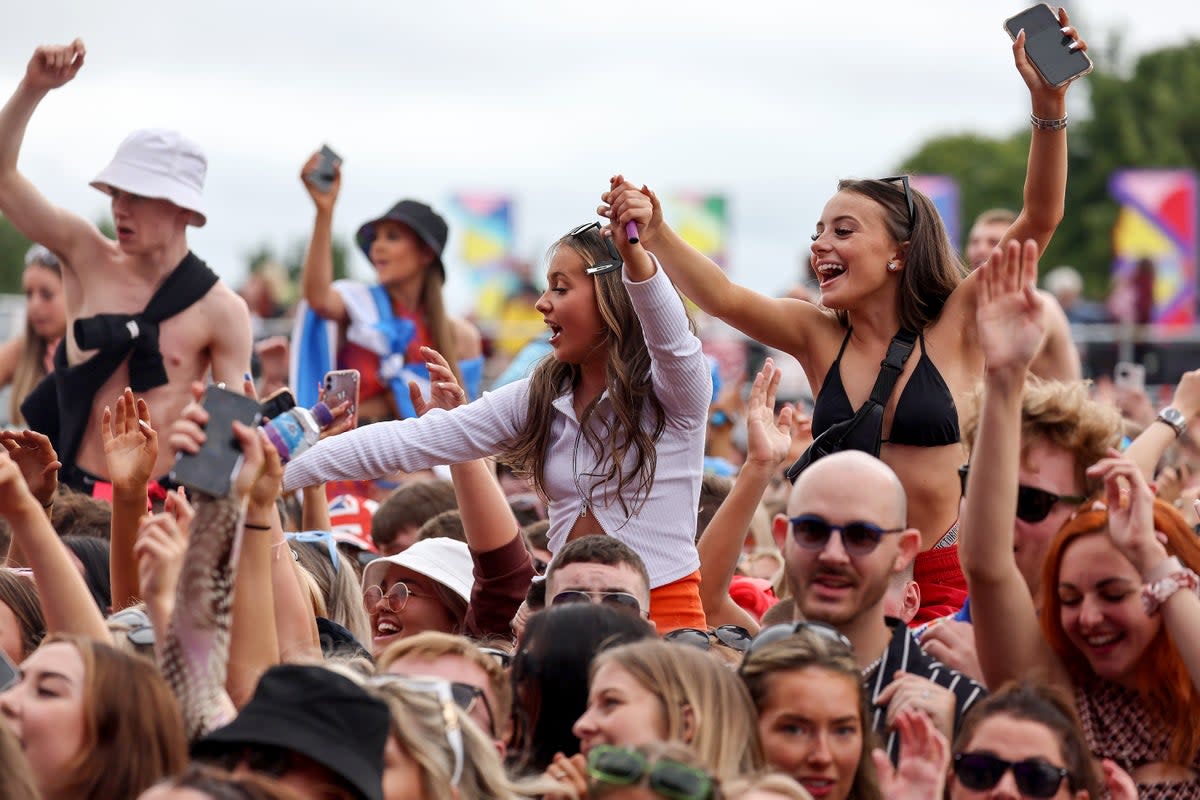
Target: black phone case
[210, 470]
[278, 403]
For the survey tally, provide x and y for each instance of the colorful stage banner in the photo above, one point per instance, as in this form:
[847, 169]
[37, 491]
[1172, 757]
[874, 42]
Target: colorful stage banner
[482, 225]
[1156, 226]
[943, 191]
[703, 222]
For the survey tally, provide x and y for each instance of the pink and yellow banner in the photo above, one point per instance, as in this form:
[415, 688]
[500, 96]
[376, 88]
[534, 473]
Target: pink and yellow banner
[482, 224]
[943, 191]
[1157, 223]
[702, 219]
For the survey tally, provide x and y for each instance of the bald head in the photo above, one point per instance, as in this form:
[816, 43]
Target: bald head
[852, 480]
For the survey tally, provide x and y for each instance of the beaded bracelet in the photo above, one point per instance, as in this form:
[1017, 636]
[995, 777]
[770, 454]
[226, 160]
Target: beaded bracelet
[1158, 591]
[1048, 124]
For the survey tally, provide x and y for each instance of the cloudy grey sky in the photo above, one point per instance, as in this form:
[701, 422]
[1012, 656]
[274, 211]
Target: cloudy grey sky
[769, 102]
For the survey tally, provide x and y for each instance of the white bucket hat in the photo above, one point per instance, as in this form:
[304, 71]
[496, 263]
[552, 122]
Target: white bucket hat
[441, 559]
[161, 164]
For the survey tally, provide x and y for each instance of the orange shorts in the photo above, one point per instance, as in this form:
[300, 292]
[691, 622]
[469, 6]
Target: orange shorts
[677, 605]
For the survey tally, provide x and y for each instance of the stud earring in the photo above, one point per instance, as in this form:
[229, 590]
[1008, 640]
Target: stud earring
[891, 266]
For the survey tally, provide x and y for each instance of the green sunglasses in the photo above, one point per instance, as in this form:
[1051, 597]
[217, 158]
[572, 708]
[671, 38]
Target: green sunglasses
[618, 766]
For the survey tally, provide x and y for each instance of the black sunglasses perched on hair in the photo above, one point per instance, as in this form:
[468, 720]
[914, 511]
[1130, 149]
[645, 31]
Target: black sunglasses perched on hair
[614, 258]
[734, 637]
[859, 538]
[1035, 777]
[1033, 505]
[786, 630]
[908, 199]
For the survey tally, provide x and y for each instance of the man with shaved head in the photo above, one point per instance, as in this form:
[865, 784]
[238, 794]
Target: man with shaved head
[843, 539]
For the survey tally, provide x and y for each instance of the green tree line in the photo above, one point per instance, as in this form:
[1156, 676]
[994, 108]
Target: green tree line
[1144, 117]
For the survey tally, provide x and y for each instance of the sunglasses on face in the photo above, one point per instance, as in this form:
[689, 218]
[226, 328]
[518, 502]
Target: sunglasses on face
[449, 696]
[617, 766]
[465, 695]
[732, 636]
[858, 538]
[908, 199]
[1033, 504]
[318, 537]
[786, 630]
[394, 600]
[1035, 777]
[621, 600]
[614, 258]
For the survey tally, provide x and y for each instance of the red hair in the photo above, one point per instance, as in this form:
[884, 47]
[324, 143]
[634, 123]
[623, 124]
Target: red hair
[1160, 678]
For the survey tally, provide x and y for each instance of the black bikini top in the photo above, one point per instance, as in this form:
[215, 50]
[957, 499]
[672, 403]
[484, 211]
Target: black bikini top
[925, 414]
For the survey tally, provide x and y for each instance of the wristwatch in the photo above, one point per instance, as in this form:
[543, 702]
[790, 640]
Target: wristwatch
[1174, 418]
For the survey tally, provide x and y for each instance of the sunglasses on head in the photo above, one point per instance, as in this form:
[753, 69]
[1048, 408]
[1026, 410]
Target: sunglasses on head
[621, 600]
[908, 199]
[394, 600]
[138, 629]
[1033, 505]
[617, 766]
[813, 532]
[501, 657]
[1035, 777]
[786, 630]
[734, 637]
[318, 537]
[614, 258]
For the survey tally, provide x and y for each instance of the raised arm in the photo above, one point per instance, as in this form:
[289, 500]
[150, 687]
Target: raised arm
[66, 234]
[720, 546]
[1131, 529]
[1011, 323]
[1150, 445]
[1046, 175]
[130, 451]
[316, 279]
[66, 602]
[783, 323]
[488, 521]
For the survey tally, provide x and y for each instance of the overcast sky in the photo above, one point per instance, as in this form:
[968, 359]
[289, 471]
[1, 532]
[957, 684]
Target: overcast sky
[770, 103]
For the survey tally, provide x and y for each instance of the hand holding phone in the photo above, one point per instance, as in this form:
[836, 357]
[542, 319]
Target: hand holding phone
[1056, 56]
[1129, 375]
[322, 176]
[211, 469]
[341, 385]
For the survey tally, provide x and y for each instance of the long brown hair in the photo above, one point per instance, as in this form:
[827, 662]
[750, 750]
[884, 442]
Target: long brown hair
[133, 731]
[932, 270]
[31, 365]
[808, 650]
[1047, 706]
[1160, 677]
[627, 379]
[441, 332]
[20, 594]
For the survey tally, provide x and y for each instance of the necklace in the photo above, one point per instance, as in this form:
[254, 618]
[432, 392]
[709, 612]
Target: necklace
[869, 669]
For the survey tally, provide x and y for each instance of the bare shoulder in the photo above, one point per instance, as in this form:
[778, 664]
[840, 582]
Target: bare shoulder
[227, 312]
[468, 342]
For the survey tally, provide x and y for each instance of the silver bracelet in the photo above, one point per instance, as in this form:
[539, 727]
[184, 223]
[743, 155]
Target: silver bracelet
[1048, 124]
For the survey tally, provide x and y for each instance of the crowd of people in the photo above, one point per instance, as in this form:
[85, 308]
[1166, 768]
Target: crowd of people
[966, 573]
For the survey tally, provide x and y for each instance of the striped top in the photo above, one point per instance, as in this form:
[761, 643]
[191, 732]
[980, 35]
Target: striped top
[904, 653]
[662, 532]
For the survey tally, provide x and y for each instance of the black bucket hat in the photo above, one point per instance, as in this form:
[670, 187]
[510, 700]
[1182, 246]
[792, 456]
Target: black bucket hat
[318, 714]
[429, 226]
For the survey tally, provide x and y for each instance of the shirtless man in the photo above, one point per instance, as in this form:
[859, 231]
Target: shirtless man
[155, 181]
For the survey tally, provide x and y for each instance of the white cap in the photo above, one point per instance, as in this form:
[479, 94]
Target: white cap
[161, 164]
[445, 560]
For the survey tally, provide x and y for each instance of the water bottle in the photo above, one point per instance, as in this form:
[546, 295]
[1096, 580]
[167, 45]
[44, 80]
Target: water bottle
[298, 429]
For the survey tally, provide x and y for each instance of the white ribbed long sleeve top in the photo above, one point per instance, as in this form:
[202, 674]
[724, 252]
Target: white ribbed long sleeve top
[663, 529]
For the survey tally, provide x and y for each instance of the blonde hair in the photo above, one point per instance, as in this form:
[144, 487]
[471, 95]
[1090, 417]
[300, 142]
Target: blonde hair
[772, 782]
[340, 589]
[723, 725]
[436, 644]
[1061, 414]
[31, 365]
[419, 726]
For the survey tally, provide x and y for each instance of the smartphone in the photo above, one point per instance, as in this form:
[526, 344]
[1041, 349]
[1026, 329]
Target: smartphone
[1046, 45]
[322, 177]
[210, 470]
[281, 400]
[1130, 376]
[9, 674]
[342, 385]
